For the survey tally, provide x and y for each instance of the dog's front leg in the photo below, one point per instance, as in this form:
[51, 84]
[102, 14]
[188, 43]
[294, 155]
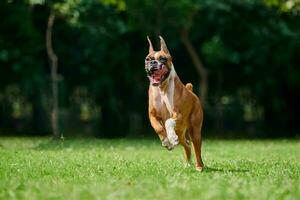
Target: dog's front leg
[170, 125]
[161, 132]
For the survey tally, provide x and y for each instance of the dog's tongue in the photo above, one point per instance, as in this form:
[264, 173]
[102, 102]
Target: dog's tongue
[157, 75]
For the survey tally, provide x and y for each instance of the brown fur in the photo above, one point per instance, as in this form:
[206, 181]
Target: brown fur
[187, 111]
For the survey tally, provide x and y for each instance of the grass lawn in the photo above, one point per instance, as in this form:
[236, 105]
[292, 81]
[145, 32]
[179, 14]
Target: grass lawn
[37, 168]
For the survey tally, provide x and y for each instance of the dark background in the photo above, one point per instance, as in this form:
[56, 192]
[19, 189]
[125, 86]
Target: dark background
[250, 50]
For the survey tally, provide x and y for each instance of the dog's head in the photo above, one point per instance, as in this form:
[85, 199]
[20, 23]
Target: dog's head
[158, 64]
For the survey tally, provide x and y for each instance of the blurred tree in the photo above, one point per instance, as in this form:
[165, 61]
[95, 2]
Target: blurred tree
[249, 50]
[70, 10]
[54, 77]
[52, 57]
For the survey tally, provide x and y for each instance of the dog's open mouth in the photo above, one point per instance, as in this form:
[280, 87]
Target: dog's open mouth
[159, 75]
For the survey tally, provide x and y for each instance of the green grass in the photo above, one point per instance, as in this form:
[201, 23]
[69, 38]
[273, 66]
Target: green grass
[37, 168]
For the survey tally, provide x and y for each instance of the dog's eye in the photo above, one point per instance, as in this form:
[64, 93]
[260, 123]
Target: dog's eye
[148, 59]
[162, 59]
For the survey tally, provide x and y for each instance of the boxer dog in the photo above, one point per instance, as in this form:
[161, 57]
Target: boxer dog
[175, 112]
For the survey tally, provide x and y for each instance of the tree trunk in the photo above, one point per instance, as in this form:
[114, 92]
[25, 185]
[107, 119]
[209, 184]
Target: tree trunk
[201, 71]
[54, 78]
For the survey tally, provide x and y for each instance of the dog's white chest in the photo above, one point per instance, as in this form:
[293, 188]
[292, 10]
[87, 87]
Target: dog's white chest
[168, 97]
[158, 102]
[165, 98]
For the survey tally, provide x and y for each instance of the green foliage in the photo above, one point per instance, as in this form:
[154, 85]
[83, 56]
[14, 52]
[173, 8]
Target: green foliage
[36, 2]
[35, 168]
[285, 6]
[247, 46]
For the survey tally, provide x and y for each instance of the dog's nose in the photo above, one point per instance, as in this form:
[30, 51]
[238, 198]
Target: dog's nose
[153, 62]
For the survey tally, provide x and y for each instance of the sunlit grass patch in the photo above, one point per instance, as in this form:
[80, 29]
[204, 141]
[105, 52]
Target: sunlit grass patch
[39, 168]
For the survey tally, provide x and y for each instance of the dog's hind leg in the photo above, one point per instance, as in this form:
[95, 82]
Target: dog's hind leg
[195, 133]
[197, 142]
[187, 149]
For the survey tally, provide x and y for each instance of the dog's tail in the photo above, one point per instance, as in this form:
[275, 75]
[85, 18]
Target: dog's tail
[189, 86]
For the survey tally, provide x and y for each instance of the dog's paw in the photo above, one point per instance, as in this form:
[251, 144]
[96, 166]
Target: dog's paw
[187, 165]
[199, 168]
[170, 148]
[173, 138]
[166, 143]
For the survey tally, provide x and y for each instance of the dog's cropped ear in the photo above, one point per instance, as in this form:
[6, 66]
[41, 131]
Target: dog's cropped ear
[150, 45]
[163, 45]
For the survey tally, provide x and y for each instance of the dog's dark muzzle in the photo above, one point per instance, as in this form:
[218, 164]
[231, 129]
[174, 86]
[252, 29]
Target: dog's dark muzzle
[152, 66]
[151, 70]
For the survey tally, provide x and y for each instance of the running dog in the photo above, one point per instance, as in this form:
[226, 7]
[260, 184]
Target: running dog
[175, 112]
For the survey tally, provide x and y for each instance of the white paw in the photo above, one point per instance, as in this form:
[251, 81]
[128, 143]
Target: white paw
[171, 134]
[173, 138]
[166, 143]
[199, 168]
[187, 165]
